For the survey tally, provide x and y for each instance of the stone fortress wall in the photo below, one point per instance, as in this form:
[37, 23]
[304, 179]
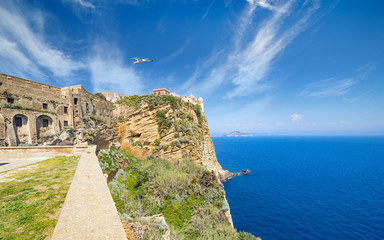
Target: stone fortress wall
[30, 110]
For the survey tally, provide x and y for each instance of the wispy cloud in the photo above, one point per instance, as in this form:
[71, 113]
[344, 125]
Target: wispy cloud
[208, 8]
[329, 87]
[247, 65]
[261, 3]
[179, 51]
[296, 117]
[109, 73]
[24, 44]
[25, 52]
[80, 6]
[83, 3]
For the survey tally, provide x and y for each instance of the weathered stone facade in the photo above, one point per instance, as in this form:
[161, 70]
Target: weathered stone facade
[30, 111]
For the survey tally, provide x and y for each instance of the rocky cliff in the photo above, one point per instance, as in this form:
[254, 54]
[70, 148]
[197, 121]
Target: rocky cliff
[165, 127]
[151, 126]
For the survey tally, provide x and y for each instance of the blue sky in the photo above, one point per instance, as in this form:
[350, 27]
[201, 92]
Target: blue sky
[269, 67]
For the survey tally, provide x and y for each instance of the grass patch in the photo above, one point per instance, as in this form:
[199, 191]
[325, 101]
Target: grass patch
[29, 209]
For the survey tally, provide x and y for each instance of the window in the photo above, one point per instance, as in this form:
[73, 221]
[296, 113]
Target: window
[87, 107]
[65, 123]
[75, 100]
[65, 109]
[45, 122]
[10, 100]
[18, 121]
[45, 105]
[1, 83]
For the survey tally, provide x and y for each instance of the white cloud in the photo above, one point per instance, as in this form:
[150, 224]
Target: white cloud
[12, 53]
[84, 3]
[25, 44]
[261, 3]
[25, 51]
[208, 8]
[329, 87]
[108, 72]
[247, 65]
[179, 51]
[296, 117]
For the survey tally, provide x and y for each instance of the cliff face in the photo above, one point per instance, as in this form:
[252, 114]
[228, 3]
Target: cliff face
[169, 128]
[166, 127]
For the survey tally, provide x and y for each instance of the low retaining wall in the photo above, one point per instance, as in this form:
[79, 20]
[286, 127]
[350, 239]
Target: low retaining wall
[89, 211]
[39, 151]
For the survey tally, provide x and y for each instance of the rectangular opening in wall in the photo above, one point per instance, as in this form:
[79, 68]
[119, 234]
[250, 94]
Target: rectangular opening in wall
[87, 107]
[65, 109]
[10, 100]
[1, 83]
[75, 100]
[45, 122]
[18, 121]
[45, 105]
[65, 123]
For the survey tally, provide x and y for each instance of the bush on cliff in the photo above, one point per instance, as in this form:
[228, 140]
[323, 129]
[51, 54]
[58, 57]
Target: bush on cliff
[189, 197]
[152, 100]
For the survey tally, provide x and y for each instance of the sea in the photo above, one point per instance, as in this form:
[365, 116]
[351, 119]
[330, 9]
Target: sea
[306, 187]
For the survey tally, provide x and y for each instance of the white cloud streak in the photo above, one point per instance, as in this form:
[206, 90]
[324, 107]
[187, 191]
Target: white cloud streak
[248, 64]
[329, 87]
[261, 3]
[25, 52]
[84, 3]
[208, 8]
[108, 72]
[24, 45]
[87, 4]
[179, 51]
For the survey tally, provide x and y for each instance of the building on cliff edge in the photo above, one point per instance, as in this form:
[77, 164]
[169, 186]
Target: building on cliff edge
[29, 110]
[113, 96]
[161, 91]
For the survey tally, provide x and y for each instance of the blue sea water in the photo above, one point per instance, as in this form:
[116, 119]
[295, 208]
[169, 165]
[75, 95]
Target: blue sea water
[306, 187]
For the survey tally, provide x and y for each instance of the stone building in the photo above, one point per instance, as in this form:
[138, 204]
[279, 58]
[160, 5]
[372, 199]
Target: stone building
[113, 96]
[161, 91]
[30, 111]
[194, 100]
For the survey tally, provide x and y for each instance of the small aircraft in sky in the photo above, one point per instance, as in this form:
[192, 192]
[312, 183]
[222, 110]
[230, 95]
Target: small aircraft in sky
[139, 60]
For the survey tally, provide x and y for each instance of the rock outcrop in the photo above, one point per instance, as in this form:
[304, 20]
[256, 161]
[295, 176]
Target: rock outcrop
[226, 175]
[166, 127]
[170, 131]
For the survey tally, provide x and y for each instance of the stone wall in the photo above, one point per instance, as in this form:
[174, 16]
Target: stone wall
[39, 151]
[30, 111]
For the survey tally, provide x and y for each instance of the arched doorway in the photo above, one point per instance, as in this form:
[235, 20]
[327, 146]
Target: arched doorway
[22, 131]
[44, 126]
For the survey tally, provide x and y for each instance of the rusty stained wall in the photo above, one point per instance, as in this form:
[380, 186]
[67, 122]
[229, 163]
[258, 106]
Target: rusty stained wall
[43, 109]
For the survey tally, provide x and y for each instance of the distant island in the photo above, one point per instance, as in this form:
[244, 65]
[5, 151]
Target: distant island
[238, 134]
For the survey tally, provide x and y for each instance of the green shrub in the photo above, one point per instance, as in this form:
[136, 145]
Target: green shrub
[157, 141]
[197, 109]
[184, 139]
[246, 236]
[186, 194]
[162, 120]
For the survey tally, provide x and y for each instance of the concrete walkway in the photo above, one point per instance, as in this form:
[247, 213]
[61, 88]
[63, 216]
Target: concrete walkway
[9, 164]
[89, 211]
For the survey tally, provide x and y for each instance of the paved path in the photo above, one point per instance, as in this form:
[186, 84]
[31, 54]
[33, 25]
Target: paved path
[89, 211]
[9, 164]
